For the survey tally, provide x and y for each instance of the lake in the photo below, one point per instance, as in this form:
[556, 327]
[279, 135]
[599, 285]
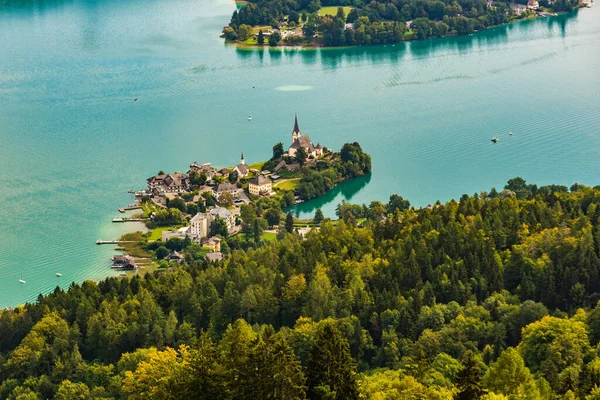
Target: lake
[73, 141]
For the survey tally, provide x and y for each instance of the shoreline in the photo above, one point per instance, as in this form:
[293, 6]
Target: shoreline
[311, 47]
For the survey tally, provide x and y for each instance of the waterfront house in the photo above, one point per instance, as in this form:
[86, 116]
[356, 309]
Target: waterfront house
[124, 263]
[225, 187]
[160, 185]
[299, 140]
[533, 4]
[260, 186]
[242, 169]
[519, 8]
[207, 169]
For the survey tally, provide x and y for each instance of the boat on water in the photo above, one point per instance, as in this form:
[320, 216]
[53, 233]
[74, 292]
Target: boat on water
[495, 140]
[58, 274]
[21, 280]
[510, 133]
[249, 118]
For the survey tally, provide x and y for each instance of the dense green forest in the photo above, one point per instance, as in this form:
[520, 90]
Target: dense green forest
[493, 297]
[375, 22]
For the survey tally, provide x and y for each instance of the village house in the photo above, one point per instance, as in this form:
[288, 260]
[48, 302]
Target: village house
[225, 187]
[519, 8]
[214, 256]
[533, 4]
[213, 243]
[176, 183]
[260, 186]
[175, 257]
[299, 140]
[207, 169]
[242, 169]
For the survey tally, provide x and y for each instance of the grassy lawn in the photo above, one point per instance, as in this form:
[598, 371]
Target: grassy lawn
[268, 236]
[290, 184]
[333, 10]
[257, 165]
[157, 232]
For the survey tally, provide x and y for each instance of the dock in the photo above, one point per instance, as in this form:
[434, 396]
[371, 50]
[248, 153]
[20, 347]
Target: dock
[122, 210]
[113, 241]
[129, 219]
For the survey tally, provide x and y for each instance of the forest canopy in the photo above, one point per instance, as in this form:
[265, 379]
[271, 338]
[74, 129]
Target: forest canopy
[494, 296]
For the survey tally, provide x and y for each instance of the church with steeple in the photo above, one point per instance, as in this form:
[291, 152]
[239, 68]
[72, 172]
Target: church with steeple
[242, 169]
[299, 140]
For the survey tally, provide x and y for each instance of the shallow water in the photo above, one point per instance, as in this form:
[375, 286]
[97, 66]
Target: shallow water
[73, 141]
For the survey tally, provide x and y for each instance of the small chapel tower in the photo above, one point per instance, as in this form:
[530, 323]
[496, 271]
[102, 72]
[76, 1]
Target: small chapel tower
[242, 161]
[296, 131]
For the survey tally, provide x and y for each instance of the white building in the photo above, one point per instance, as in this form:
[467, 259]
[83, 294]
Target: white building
[199, 229]
[225, 187]
[223, 213]
[199, 226]
[261, 185]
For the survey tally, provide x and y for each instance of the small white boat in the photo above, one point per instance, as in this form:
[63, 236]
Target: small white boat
[510, 133]
[495, 139]
[58, 274]
[249, 118]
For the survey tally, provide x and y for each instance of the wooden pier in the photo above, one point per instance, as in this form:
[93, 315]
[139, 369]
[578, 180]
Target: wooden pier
[113, 241]
[129, 219]
[122, 210]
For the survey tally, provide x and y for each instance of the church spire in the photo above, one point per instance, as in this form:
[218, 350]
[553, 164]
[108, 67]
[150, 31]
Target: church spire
[296, 131]
[296, 128]
[242, 161]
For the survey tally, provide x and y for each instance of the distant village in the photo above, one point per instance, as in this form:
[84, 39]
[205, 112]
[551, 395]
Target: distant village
[224, 186]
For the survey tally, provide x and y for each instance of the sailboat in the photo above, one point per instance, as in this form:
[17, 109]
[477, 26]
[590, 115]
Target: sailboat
[249, 118]
[21, 280]
[58, 274]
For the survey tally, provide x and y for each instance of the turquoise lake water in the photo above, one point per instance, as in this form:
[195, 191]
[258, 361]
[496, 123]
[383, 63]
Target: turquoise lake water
[73, 141]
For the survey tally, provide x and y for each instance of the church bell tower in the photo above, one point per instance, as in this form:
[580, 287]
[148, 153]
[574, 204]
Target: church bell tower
[296, 131]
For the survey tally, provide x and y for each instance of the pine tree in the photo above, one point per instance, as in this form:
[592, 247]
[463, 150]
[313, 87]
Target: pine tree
[318, 216]
[289, 223]
[468, 379]
[261, 37]
[272, 370]
[330, 367]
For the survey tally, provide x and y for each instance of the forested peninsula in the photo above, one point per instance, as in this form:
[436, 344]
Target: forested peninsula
[356, 22]
[494, 296]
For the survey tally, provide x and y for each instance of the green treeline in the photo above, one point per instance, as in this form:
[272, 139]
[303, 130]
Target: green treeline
[375, 22]
[351, 163]
[493, 297]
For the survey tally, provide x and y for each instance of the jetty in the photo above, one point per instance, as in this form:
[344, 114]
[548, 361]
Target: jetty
[113, 241]
[129, 219]
[129, 208]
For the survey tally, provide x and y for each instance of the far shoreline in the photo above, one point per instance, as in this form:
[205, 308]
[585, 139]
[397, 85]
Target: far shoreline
[245, 46]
